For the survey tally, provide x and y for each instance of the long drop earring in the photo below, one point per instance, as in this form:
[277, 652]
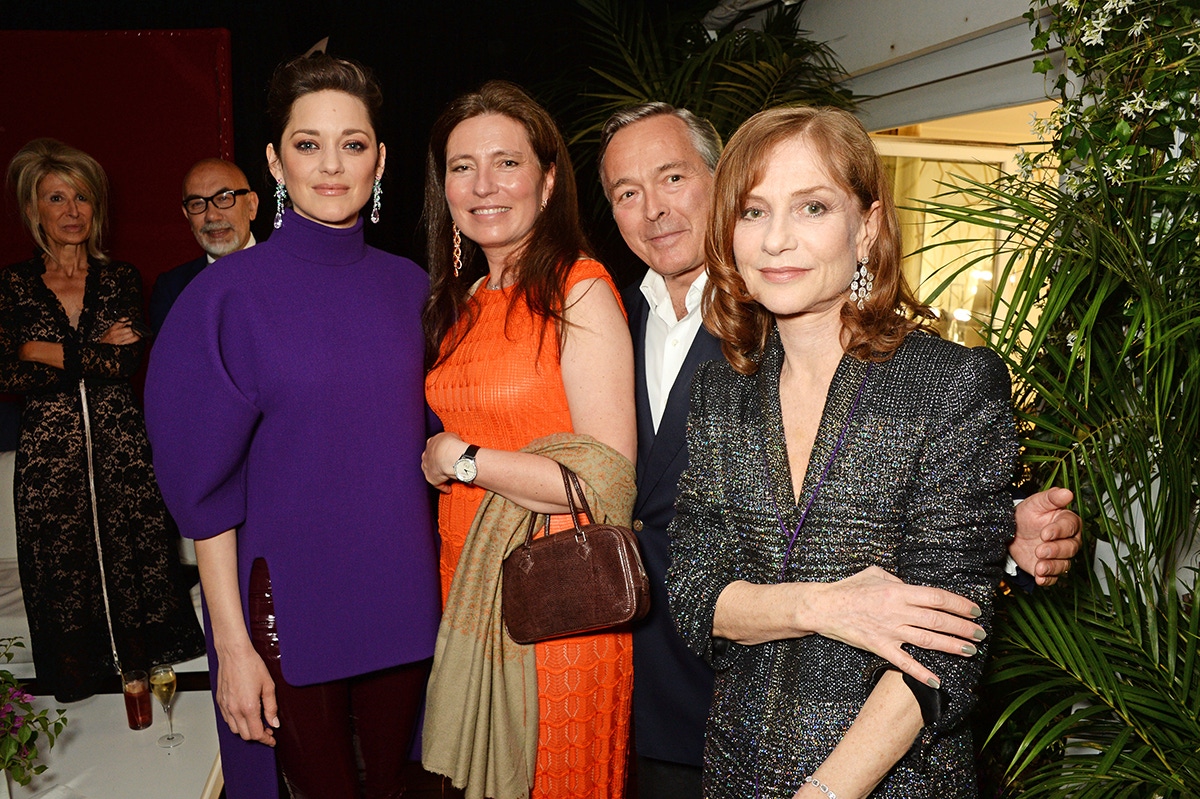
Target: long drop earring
[863, 283]
[376, 201]
[280, 201]
[457, 249]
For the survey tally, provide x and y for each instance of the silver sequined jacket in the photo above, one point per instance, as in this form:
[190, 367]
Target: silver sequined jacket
[920, 487]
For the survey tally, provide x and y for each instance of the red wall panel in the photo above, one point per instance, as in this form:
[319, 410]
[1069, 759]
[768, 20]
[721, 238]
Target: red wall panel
[145, 104]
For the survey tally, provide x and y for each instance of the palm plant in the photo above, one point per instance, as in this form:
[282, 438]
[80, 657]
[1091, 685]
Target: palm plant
[638, 52]
[1101, 333]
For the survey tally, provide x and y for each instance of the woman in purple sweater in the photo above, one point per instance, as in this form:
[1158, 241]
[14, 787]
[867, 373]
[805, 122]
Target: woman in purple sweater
[285, 408]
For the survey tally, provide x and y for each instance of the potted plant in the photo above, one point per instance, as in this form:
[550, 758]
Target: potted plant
[21, 727]
[1101, 329]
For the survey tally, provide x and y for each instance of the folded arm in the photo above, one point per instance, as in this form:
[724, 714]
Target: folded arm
[597, 372]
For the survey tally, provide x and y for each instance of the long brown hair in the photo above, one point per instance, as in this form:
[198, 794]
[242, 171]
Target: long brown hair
[730, 313]
[555, 242]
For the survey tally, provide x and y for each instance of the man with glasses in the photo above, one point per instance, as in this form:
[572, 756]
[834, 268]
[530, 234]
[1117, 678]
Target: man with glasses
[219, 205]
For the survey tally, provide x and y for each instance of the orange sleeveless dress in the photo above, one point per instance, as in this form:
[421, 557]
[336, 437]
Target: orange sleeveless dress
[499, 390]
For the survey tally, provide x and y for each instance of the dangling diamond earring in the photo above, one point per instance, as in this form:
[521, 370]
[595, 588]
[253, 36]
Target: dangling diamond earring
[376, 201]
[457, 249]
[862, 284]
[280, 200]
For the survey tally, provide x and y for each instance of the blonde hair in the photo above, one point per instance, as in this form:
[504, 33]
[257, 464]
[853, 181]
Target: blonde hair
[42, 157]
[730, 313]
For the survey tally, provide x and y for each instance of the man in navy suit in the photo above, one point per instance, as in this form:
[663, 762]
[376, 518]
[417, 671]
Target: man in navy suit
[219, 205]
[656, 165]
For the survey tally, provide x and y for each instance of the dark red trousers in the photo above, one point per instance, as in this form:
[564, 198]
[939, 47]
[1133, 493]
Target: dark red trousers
[319, 724]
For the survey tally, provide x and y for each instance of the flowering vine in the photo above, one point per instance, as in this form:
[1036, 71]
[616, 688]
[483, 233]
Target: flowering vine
[1129, 96]
[22, 727]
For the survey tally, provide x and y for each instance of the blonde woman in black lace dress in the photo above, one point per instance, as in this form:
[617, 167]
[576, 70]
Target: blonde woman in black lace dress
[97, 552]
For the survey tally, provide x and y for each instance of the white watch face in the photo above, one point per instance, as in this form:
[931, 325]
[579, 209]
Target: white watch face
[464, 470]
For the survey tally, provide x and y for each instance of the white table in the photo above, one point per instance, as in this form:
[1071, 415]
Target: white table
[99, 757]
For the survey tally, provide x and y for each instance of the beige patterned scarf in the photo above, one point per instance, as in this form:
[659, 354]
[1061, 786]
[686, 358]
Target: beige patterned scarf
[481, 713]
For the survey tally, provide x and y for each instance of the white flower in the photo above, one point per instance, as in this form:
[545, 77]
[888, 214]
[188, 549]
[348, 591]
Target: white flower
[1139, 27]
[1191, 45]
[1071, 5]
[1040, 126]
[1094, 30]
[1024, 164]
[1072, 184]
[1115, 172]
[1135, 106]
[1183, 169]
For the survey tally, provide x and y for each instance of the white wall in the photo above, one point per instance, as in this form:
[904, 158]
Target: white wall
[928, 59]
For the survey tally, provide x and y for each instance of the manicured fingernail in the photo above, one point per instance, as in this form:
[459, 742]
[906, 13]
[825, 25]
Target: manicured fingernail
[979, 634]
[969, 649]
[976, 612]
[933, 682]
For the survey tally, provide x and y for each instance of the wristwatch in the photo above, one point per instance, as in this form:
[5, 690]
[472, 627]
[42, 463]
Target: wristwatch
[465, 469]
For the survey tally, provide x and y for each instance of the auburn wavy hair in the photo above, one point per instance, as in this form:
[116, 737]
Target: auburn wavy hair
[730, 313]
[554, 243]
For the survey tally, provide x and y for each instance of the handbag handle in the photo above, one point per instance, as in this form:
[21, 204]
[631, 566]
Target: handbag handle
[570, 481]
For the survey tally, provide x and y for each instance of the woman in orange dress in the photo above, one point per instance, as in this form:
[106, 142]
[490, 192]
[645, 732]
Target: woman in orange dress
[526, 338]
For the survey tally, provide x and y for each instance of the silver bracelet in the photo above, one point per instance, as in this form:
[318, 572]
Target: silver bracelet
[820, 786]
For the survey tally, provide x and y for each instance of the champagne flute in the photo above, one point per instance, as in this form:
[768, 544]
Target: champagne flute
[162, 684]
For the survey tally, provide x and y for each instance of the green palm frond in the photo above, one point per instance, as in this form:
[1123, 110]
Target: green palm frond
[1099, 325]
[1121, 664]
[636, 51]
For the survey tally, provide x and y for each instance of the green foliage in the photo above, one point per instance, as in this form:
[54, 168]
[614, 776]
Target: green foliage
[639, 55]
[1101, 333]
[640, 52]
[20, 725]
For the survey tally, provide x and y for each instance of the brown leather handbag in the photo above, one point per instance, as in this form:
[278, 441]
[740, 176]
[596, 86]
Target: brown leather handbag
[575, 581]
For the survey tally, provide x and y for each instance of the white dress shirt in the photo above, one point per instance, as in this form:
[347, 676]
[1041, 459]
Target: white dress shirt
[668, 339]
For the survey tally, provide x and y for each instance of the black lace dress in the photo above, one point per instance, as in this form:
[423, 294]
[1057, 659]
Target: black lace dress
[97, 551]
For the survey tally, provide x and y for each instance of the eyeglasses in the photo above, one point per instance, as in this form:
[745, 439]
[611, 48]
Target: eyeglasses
[222, 199]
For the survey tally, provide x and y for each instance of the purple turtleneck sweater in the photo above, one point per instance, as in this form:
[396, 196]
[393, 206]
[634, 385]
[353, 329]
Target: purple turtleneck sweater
[285, 398]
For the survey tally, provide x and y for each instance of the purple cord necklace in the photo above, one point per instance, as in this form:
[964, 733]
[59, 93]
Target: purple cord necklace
[791, 538]
[794, 534]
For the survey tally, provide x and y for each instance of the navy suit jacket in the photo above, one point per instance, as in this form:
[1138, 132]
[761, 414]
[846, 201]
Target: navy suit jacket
[672, 688]
[168, 287]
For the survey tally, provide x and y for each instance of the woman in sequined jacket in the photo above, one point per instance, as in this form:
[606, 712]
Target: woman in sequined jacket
[842, 444]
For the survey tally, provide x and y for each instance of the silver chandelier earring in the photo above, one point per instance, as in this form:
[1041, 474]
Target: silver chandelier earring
[457, 249]
[376, 201]
[862, 284]
[280, 201]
